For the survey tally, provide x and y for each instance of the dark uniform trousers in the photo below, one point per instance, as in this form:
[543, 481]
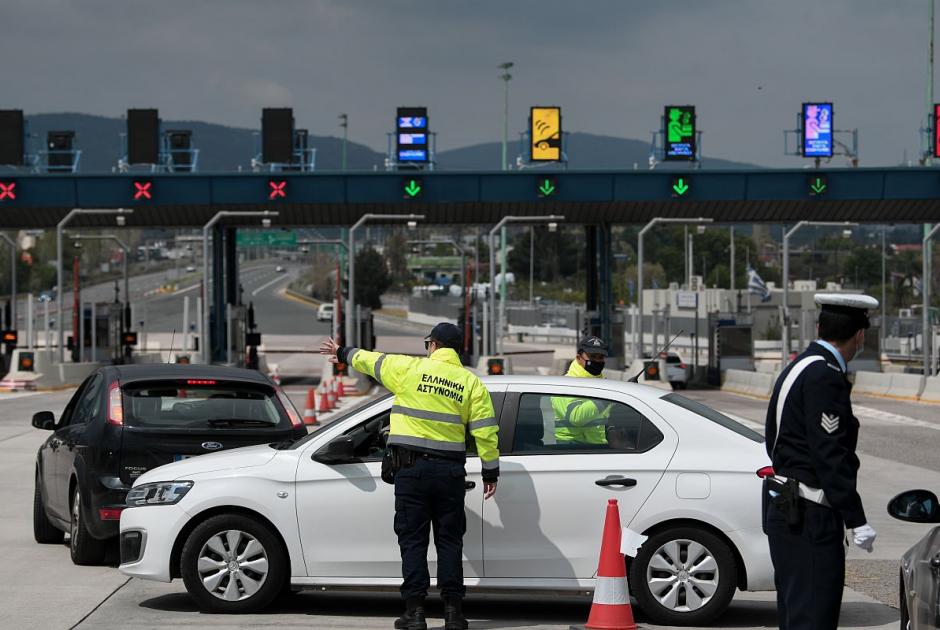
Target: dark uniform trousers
[430, 493]
[809, 565]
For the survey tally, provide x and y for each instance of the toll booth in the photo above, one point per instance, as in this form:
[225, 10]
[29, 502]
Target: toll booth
[730, 344]
[236, 331]
[366, 329]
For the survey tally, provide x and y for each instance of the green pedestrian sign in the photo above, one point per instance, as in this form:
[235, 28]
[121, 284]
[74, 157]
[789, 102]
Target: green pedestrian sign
[265, 238]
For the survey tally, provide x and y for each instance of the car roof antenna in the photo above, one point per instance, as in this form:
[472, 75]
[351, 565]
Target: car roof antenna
[169, 357]
[636, 377]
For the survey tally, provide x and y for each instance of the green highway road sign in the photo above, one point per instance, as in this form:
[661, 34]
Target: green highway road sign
[266, 238]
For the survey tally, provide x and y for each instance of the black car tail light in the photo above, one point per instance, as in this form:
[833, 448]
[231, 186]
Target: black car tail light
[131, 546]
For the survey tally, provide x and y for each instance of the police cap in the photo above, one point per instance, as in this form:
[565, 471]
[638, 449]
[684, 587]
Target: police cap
[447, 335]
[593, 345]
[853, 305]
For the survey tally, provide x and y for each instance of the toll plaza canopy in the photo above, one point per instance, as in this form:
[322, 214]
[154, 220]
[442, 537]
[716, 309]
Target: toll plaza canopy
[888, 195]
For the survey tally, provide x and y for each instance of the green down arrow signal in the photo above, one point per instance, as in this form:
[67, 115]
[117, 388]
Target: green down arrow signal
[818, 186]
[680, 187]
[547, 188]
[412, 188]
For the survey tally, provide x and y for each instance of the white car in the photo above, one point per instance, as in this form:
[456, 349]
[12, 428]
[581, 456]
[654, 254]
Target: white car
[325, 313]
[239, 526]
[279, 269]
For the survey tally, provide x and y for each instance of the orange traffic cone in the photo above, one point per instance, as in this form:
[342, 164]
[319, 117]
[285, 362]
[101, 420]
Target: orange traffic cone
[323, 405]
[331, 392]
[611, 608]
[310, 409]
[340, 389]
[330, 402]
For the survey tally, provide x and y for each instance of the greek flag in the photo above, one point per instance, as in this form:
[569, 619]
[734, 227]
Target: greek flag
[756, 285]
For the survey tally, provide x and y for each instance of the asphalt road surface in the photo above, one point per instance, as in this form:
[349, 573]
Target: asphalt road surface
[898, 451]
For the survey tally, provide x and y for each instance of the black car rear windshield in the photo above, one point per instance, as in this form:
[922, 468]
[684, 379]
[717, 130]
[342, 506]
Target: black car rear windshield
[716, 417]
[200, 404]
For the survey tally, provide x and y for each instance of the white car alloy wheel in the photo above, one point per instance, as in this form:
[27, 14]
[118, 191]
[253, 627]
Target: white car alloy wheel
[233, 565]
[683, 575]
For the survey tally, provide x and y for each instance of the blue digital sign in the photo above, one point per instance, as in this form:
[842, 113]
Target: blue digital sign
[411, 131]
[817, 130]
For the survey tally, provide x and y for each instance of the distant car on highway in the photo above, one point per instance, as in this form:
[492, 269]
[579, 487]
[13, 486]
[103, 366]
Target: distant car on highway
[47, 296]
[125, 420]
[279, 269]
[239, 526]
[919, 584]
[325, 312]
[190, 268]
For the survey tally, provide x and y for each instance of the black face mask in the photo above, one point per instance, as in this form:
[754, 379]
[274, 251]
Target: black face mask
[594, 368]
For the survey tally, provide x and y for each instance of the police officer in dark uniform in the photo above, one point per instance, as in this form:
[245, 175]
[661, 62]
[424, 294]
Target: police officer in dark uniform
[811, 498]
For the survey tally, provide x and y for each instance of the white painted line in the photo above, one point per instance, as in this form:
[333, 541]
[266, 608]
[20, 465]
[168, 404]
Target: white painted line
[886, 417]
[267, 284]
[15, 395]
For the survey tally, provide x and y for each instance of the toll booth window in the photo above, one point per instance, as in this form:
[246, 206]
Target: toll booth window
[182, 405]
[558, 424]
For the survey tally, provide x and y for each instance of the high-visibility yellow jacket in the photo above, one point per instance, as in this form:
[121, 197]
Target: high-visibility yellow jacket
[580, 420]
[436, 401]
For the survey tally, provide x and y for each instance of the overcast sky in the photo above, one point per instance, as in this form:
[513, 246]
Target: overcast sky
[611, 65]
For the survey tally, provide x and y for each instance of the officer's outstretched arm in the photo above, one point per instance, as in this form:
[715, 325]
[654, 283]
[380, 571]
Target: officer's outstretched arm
[388, 369]
[828, 415]
[484, 427]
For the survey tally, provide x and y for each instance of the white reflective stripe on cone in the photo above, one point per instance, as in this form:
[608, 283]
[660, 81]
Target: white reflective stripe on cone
[611, 591]
[309, 412]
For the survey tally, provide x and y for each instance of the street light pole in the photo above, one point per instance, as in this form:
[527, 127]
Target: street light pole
[639, 267]
[785, 337]
[925, 291]
[493, 336]
[505, 77]
[58, 268]
[344, 123]
[206, 345]
[12, 244]
[352, 336]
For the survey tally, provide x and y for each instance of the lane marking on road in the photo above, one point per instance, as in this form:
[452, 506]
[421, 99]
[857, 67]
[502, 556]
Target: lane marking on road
[15, 395]
[886, 417]
[15, 435]
[267, 284]
[757, 426]
[101, 603]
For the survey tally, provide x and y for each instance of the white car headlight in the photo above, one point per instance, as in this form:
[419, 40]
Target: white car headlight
[160, 493]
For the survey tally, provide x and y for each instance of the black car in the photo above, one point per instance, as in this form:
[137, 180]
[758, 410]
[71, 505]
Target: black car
[920, 566]
[126, 420]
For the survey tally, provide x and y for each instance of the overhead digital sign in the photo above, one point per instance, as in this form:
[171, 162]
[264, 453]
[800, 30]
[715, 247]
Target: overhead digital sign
[817, 130]
[679, 133]
[936, 131]
[411, 135]
[7, 190]
[545, 134]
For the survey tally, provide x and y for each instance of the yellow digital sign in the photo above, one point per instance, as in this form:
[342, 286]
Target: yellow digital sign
[545, 134]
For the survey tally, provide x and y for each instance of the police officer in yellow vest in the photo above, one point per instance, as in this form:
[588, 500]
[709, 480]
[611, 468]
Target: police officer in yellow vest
[437, 401]
[580, 420]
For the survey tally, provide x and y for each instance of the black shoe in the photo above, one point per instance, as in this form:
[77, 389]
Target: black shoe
[453, 616]
[412, 619]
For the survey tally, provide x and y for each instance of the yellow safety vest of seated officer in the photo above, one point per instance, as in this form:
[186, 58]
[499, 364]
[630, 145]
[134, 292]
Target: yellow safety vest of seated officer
[580, 420]
[436, 401]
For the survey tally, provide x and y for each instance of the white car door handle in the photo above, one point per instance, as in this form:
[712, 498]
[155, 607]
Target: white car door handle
[616, 481]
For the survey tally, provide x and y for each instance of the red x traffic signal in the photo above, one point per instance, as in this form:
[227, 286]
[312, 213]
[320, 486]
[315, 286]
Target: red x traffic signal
[142, 190]
[7, 190]
[278, 189]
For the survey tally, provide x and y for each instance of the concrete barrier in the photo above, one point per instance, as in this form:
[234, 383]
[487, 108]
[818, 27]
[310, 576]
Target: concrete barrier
[905, 386]
[761, 384]
[737, 382]
[75, 373]
[871, 383]
[931, 392]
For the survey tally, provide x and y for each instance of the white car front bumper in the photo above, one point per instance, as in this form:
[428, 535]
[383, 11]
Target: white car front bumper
[160, 526]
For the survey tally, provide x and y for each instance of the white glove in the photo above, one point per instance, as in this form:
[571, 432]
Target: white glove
[864, 537]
